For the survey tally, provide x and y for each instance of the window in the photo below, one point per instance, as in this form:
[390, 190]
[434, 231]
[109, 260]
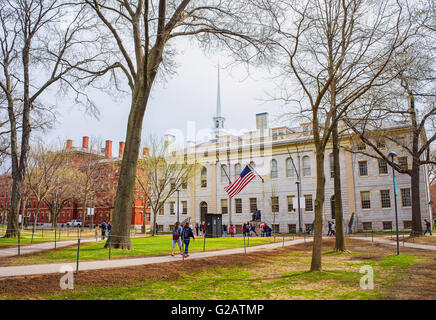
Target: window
[367, 226]
[365, 199]
[203, 182]
[289, 168]
[361, 146]
[292, 228]
[172, 183]
[224, 178]
[402, 161]
[385, 197]
[161, 210]
[405, 197]
[290, 203]
[274, 170]
[224, 208]
[237, 169]
[238, 205]
[308, 203]
[184, 207]
[407, 224]
[387, 225]
[363, 168]
[172, 208]
[332, 166]
[275, 204]
[253, 205]
[184, 183]
[382, 166]
[306, 166]
[381, 143]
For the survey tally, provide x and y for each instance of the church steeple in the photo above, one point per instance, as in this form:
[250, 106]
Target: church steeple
[218, 120]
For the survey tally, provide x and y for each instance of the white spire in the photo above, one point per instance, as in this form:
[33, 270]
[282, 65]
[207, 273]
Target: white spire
[218, 120]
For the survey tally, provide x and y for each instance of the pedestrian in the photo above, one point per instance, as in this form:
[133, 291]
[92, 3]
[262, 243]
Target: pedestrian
[156, 227]
[244, 229]
[109, 227]
[225, 230]
[232, 230]
[330, 228]
[204, 229]
[333, 229]
[186, 237]
[253, 229]
[103, 230]
[177, 233]
[427, 227]
[196, 228]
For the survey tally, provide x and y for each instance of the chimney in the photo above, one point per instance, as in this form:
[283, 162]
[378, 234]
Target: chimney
[108, 149]
[69, 144]
[85, 142]
[121, 150]
[145, 151]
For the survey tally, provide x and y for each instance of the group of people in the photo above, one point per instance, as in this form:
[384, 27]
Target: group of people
[182, 234]
[249, 229]
[103, 227]
[231, 230]
[200, 229]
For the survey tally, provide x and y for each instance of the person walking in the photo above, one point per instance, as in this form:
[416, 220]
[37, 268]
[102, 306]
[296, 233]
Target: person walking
[197, 227]
[103, 230]
[253, 229]
[333, 233]
[225, 230]
[427, 227]
[186, 237]
[232, 230]
[177, 233]
[204, 229]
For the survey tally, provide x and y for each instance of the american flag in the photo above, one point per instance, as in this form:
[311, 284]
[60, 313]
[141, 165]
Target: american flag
[244, 178]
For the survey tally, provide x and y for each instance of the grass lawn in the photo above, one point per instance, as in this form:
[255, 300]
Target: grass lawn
[280, 277]
[144, 246]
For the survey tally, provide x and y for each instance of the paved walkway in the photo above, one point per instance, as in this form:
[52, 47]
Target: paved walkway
[38, 247]
[394, 243]
[117, 263]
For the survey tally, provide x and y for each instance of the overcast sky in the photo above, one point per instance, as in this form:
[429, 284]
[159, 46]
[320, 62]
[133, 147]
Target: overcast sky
[190, 95]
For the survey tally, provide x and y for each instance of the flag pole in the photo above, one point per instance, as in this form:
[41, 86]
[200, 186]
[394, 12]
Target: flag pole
[256, 172]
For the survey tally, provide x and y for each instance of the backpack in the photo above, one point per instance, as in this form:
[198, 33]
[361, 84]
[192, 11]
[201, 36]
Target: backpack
[176, 234]
[186, 233]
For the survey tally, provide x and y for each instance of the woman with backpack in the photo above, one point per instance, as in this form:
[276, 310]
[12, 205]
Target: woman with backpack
[186, 237]
[177, 232]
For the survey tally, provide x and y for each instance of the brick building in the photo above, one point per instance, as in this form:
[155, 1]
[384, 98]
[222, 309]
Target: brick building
[106, 169]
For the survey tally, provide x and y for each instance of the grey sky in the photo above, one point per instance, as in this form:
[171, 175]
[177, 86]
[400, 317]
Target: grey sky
[190, 95]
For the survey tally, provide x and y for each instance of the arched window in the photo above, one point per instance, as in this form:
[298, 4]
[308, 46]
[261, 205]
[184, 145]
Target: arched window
[237, 169]
[306, 166]
[274, 170]
[290, 172]
[203, 211]
[224, 173]
[203, 181]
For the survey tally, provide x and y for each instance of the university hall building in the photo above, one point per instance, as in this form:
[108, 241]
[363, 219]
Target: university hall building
[283, 159]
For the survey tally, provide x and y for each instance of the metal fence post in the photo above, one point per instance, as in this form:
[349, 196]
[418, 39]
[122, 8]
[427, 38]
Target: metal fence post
[245, 249]
[33, 231]
[78, 254]
[55, 237]
[109, 247]
[204, 243]
[18, 242]
[372, 235]
[283, 240]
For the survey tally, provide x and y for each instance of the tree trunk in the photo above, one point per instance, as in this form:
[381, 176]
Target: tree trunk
[416, 201]
[120, 236]
[319, 204]
[340, 240]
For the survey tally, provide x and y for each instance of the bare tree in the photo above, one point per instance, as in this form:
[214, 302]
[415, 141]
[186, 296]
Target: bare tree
[335, 51]
[164, 170]
[141, 33]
